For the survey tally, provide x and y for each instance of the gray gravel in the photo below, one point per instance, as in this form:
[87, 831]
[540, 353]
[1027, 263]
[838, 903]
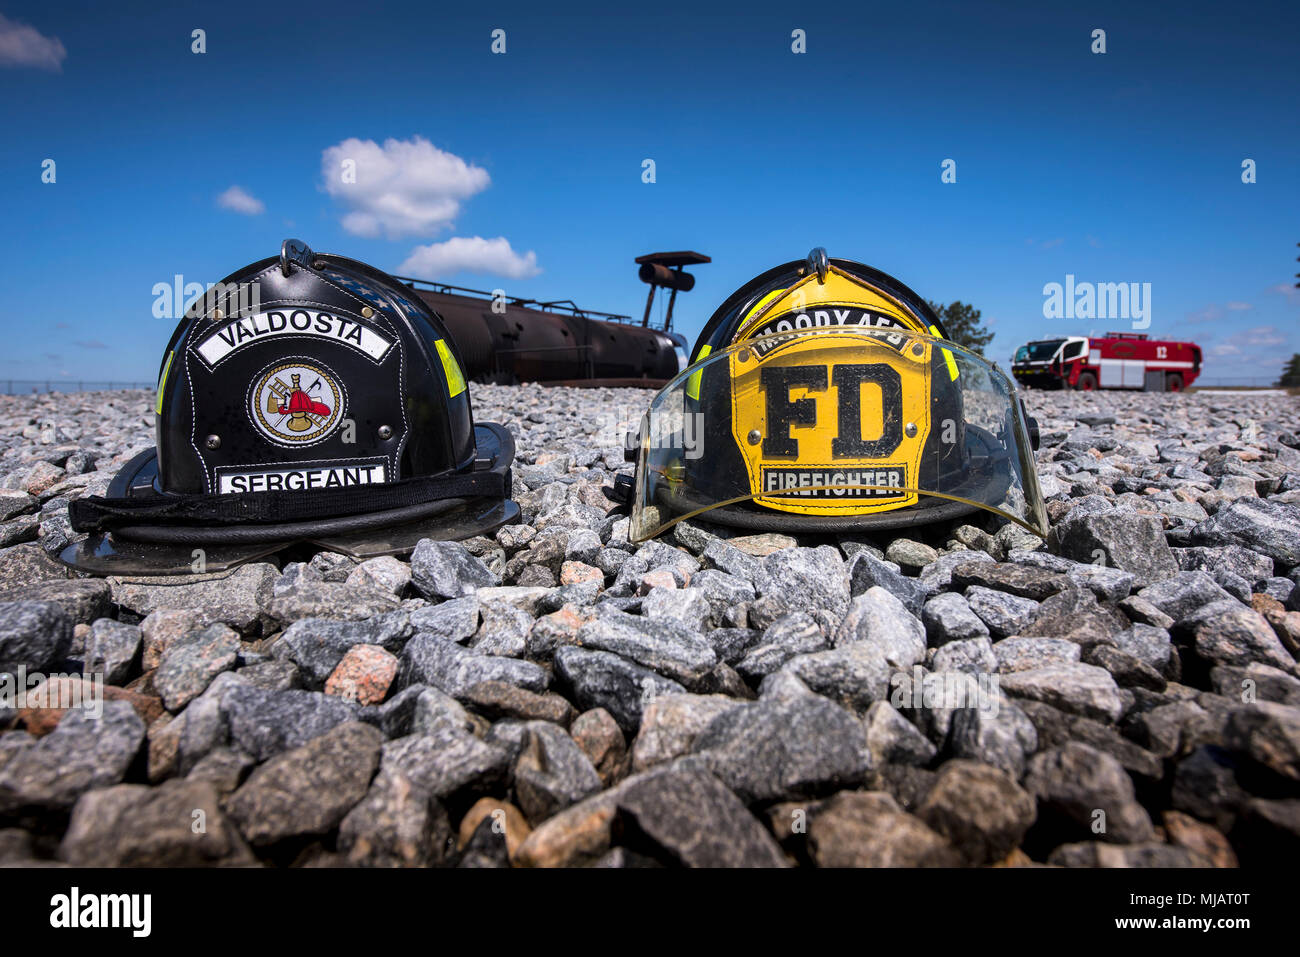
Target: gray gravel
[1125, 694]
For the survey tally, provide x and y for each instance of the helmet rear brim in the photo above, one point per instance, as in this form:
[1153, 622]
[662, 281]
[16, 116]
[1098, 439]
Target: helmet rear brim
[172, 549]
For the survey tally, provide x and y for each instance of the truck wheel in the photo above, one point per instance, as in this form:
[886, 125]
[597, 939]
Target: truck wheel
[1173, 382]
[1087, 382]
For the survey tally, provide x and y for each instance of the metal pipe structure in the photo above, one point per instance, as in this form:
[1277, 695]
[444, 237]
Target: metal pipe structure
[510, 339]
[664, 271]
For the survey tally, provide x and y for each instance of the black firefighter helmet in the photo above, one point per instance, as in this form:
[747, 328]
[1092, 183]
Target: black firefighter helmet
[825, 396]
[307, 397]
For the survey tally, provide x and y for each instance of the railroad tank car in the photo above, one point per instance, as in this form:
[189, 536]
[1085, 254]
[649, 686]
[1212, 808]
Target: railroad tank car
[509, 339]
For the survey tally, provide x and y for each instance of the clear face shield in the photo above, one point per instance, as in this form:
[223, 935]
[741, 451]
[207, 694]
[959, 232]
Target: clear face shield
[836, 429]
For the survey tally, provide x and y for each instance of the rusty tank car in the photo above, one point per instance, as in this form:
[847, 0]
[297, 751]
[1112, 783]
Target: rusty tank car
[508, 340]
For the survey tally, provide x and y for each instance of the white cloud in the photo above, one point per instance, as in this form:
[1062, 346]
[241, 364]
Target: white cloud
[1263, 336]
[1210, 313]
[240, 200]
[1224, 349]
[1286, 290]
[403, 188]
[21, 45]
[1239, 306]
[469, 254]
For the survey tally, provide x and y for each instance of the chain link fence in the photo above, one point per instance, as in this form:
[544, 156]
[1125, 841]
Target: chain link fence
[38, 386]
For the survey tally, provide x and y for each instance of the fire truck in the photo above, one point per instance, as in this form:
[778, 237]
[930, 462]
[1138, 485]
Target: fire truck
[1118, 360]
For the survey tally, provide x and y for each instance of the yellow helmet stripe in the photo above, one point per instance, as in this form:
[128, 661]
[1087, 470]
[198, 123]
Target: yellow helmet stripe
[162, 383]
[455, 378]
[759, 306]
[693, 383]
[947, 356]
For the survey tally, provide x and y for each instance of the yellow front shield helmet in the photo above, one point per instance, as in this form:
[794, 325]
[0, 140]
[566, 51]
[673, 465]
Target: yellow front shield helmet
[830, 403]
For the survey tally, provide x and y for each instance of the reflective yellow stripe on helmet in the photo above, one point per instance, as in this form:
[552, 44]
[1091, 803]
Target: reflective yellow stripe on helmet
[162, 383]
[455, 378]
[693, 383]
[760, 305]
[947, 356]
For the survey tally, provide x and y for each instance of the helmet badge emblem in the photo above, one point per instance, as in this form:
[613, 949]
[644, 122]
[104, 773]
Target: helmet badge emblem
[296, 402]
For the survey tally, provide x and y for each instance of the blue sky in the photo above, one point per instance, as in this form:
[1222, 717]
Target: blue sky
[1121, 167]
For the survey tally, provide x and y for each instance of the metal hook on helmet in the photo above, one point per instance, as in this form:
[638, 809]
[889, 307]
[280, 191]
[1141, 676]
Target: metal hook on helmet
[294, 251]
[817, 261]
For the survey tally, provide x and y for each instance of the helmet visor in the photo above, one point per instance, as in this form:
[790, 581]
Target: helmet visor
[835, 428]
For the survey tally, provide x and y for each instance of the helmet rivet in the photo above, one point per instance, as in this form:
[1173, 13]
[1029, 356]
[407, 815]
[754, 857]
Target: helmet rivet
[917, 348]
[218, 314]
[367, 311]
[743, 355]
[213, 441]
[755, 437]
[910, 430]
[385, 432]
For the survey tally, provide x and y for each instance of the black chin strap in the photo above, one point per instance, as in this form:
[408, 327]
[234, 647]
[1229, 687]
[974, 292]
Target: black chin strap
[96, 513]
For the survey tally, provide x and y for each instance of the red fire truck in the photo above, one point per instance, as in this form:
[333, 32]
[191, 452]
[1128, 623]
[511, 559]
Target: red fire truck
[1118, 360]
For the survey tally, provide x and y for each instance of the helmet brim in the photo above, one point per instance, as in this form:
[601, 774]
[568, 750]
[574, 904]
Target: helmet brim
[170, 549]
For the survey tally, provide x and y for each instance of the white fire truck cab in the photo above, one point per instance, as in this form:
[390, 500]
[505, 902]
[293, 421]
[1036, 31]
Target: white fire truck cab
[1117, 360]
